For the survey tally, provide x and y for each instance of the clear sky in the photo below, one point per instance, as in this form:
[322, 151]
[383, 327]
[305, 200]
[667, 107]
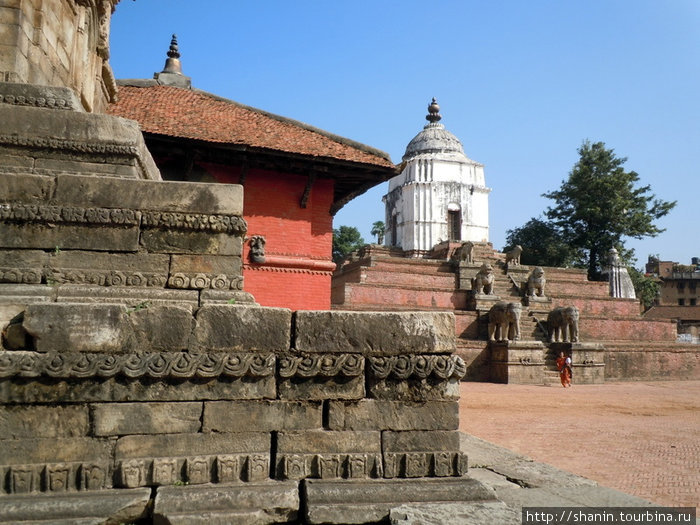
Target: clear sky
[520, 83]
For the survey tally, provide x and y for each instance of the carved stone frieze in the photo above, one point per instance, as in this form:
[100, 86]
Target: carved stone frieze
[18, 212]
[20, 275]
[106, 278]
[68, 214]
[54, 477]
[195, 221]
[37, 102]
[202, 281]
[159, 365]
[418, 366]
[193, 470]
[76, 146]
[321, 365]
[329, 466]
[424, 464]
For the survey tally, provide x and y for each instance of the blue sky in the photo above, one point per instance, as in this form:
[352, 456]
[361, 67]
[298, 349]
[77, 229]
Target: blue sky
[520, 83]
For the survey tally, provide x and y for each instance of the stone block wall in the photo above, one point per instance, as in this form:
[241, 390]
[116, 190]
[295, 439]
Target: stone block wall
[66, 45]
[106, 396]
[73, 238]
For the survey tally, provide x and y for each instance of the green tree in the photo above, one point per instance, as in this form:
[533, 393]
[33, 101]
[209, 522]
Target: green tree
[646, 288]
[599, 205]
[542, 243]
[378, 229]
[346, 240]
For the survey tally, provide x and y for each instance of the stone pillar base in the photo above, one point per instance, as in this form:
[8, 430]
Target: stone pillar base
[517, 362]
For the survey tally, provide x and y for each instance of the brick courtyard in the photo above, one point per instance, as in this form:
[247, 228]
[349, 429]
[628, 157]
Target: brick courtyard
[642, 438]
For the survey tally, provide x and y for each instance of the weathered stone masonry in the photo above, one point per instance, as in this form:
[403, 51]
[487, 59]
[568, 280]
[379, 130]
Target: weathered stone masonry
[110, 396]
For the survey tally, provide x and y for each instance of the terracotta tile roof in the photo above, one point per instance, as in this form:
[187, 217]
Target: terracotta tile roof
[197, 115]
[684, 313]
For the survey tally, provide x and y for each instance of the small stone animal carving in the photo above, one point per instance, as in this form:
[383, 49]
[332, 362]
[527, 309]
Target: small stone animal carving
[465, 253]
[483, 280]
[513, 256]
[536, 282]
[561, 320]
[504, 321]
[257, 249]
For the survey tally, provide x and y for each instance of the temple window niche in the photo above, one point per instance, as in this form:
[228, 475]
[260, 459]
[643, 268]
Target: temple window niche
[454, 222]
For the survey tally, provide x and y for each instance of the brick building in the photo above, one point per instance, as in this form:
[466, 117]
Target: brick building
[679, 284]
[295, 177]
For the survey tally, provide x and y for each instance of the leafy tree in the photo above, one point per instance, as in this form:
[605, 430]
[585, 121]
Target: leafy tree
[346, 240]
[378, 229]
[646, 288]
[542, 243]
[598, 205]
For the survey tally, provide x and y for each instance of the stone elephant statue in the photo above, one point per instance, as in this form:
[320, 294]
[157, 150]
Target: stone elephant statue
[483, 280]
[504, 321]
[563, 324]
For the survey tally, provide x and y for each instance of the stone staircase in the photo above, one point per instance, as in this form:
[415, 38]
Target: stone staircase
[380, 278]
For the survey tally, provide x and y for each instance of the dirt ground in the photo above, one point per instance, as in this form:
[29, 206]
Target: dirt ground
[642, 438]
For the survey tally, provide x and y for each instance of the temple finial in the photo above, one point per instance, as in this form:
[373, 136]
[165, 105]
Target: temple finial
[433, 112]
[172, 63]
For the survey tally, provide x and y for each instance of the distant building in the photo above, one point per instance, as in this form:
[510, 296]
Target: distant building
[679, 284]
[440, 195]
[679, 296]
[295, 177]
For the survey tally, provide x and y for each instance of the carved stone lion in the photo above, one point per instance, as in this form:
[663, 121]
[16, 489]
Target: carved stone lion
[465, 253]
[561, 320]
[504, 321]
[483, 280]
[536, 282]
[513, 256]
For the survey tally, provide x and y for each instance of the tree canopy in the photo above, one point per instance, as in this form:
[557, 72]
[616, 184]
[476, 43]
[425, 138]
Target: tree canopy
[599, 205]
[543, 244]
[346, 240]
[378, 229]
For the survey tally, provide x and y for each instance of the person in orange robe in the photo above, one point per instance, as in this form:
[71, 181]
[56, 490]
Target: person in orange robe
[564, 367]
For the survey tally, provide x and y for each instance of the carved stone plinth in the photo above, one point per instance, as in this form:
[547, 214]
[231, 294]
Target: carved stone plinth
[543, 303]
[587, 359]
[517, 362]
[481, 302]
[467, 271]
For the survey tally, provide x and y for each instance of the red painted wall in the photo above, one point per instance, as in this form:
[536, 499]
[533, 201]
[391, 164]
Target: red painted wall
[298, 267]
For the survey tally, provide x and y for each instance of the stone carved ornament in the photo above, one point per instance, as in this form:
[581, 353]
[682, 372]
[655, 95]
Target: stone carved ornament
[158, 365]
[483, 282]
[418, 366]
[536, 282]
[504, 321]
[513, 256]
[563, 324]
[321, 365]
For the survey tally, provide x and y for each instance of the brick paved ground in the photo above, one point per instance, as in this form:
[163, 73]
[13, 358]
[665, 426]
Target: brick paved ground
[642, 438]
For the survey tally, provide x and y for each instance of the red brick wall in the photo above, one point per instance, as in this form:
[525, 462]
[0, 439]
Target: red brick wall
[298, 245]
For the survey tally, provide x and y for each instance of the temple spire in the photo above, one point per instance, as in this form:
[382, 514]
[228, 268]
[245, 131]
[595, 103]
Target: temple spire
[433, 115]
[172, 72]
[172, 63]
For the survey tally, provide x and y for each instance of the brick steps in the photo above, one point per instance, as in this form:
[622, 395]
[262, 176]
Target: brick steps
[382, 297]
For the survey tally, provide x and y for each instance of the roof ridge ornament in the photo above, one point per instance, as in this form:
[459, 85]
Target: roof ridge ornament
[433, 115]
[172, 63]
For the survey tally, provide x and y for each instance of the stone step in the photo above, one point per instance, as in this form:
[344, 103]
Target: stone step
[99, 506]
[370, 501]
[222, 504]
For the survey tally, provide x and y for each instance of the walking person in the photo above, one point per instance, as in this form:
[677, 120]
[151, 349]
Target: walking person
[564, 367]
